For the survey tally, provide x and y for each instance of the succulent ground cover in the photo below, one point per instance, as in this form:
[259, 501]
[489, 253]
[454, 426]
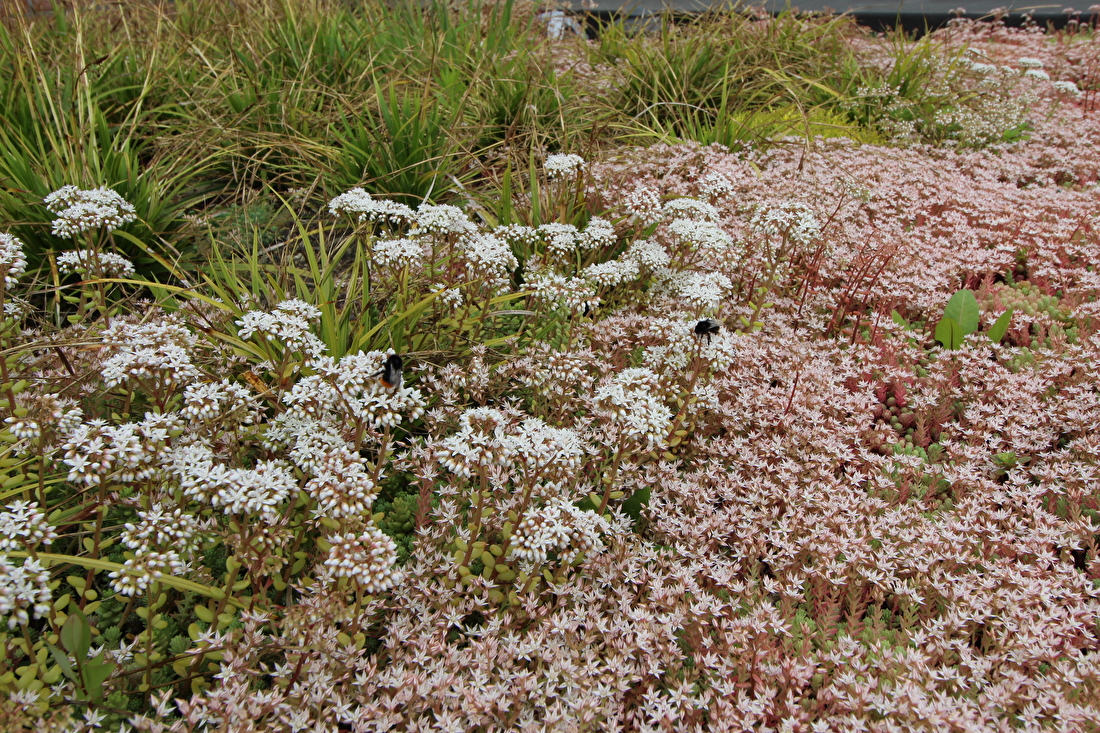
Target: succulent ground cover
[400, 369]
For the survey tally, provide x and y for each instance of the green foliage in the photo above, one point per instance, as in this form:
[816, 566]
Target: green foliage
[402, 149]
[1000, 326]
[960, 318]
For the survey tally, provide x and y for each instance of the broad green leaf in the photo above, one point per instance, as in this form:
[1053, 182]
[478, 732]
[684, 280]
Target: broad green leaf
[76, 635]
[949, 333]
[963, 307]
[1000, 326]
[632, 507]
[62, 660]
[96, 673]
[898, 319]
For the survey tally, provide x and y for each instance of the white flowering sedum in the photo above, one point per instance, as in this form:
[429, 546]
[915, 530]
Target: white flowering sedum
[689, 208]
[289, 323]
[547, 453]
[158, 352]
[23, 527]
[368, 558]
[599, 233]
[704, 290]
[614, 272]
[648, 253]
[557, 527]
[128, 452]
[79, 210]
[340, 482]
[359, 205]
[678, 346]
[571, 293]
[1068, 87]
[139, 572]
[239, 491]
[13, 263]
[158, 527]
[488, 258]
[561, 165]
[103, 264]
[632, 400]
[23, 588]
[716, 186]
[791, 221]
[441, 219]
[349, 390]
[224, 401]
[560, 239]
[398, 253]
[482, 441]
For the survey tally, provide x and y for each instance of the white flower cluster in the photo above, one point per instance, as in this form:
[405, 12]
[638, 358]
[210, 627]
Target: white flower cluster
[80, 210]
[556, 371]
[289, 323]
[489, 258]
[705, 290]
[128, 452]
[572, 293]
[1027, 62]
[631, 399]
[481, 441]
[399, 253]
[982, 68]
[350, 390]
[517, 233]
[240, 491]
[561, 165]
[138, 572]
[340, 483]
[158, 351]
[449, 297]
[1069, 88]
[441, 219]
[23, 428]
[358, 204]
[792, 221]
[12, 261]
[23, 587]
[224, 400]
[24, 526]
[560, 239]
[612, 273]
[368, 558]
[689, 208]
[649, 254]
[680, 346]
[599, 233]
[557, 527]
[160, 526]
[1038, 74]
[644, 203]
[546, 453]
[715, 186]
[705, 236]
[100, 264]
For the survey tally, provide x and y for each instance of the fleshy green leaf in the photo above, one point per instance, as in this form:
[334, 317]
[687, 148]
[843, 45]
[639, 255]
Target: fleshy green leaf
[949, 333]
[1000, 326]
[963, 307]
[76, 635]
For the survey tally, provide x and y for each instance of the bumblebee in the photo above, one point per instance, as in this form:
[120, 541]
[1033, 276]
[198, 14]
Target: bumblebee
[707, 327]
[390, 376]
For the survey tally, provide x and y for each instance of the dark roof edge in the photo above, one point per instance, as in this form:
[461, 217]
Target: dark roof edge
[875, 20]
